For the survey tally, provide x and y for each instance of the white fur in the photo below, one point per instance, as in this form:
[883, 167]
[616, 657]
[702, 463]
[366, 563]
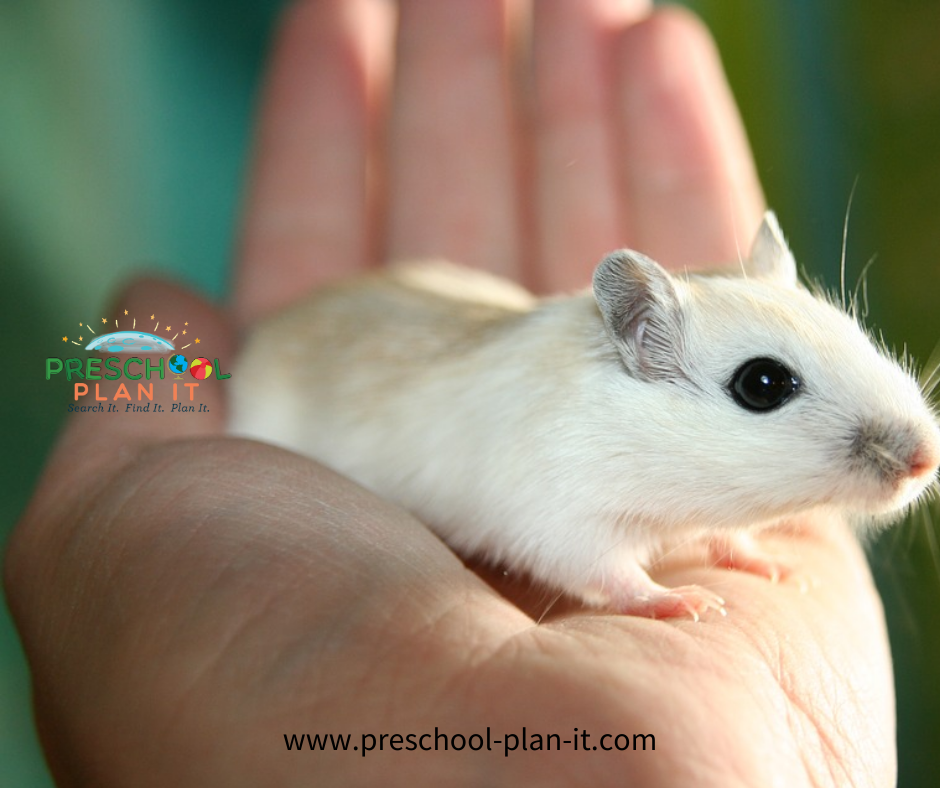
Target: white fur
[515, 430]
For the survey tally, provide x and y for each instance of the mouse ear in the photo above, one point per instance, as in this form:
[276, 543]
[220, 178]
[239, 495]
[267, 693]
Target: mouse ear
[638, 301]
[770, 257]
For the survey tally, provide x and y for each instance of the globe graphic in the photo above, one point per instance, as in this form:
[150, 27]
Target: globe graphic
[201, 368]
[177, 364]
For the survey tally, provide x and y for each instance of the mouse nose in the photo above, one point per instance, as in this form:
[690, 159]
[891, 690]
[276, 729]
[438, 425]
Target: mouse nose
[924, 460]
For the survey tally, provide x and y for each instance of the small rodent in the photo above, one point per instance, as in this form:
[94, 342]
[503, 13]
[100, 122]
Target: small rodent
[580, 437]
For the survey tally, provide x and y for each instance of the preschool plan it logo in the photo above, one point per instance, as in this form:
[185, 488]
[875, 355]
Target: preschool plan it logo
[124, 345]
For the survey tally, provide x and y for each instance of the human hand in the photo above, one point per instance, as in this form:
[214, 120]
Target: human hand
[186, 599]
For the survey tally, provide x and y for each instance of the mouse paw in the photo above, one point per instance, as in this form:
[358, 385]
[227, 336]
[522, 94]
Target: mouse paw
[677, 602]
[741, 553]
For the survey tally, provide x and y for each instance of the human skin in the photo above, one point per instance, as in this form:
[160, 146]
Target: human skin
[185, 599]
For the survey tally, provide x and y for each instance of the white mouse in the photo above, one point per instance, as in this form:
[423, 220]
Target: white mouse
[579, 438]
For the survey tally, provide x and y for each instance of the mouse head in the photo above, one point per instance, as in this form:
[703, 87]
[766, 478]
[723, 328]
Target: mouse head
[779, 400]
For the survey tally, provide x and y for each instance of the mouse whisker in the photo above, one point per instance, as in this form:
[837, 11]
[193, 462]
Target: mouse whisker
[547, 609]
[845, 237]
[930, 533]
[737, 243]
[930, 374]
[861, 284]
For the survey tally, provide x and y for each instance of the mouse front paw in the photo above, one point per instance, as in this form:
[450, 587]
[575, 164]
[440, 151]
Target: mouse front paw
[740, 552]
[626, 587]
[679, 602]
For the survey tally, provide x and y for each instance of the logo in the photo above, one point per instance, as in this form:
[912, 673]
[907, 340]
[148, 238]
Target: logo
[125, 349]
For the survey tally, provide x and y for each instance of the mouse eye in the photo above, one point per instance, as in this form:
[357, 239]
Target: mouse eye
[762, 384]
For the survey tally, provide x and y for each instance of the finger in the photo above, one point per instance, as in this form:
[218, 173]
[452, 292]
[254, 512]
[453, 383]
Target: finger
[451, 170]
[579, 205]
[308, 213]
[690, 181]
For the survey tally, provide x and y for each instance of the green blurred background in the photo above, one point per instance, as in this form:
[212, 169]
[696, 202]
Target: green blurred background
[124, 128]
